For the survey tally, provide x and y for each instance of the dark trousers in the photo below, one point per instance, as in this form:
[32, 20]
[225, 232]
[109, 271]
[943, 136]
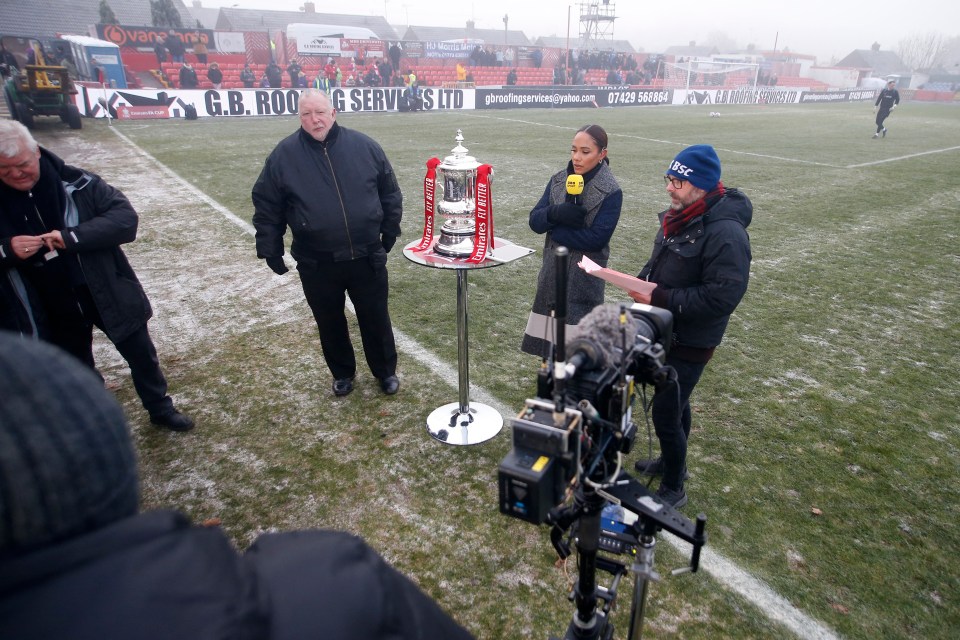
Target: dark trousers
[671, 418]
[365, 279]
[76, 337]
[881, 116]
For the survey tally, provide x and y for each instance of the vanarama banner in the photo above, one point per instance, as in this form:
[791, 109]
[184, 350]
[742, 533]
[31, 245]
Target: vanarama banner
[145, 37]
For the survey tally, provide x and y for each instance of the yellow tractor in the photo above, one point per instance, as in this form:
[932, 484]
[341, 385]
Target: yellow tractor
[35, 88]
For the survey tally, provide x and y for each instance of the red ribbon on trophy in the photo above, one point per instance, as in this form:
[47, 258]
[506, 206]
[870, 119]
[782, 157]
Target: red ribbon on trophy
[483, 236]
[429, 193]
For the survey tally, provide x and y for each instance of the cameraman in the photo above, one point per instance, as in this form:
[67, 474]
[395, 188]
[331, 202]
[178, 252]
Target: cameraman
[78, 561]
[700, 264]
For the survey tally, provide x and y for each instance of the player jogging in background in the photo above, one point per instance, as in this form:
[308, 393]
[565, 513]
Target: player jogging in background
[886, 102]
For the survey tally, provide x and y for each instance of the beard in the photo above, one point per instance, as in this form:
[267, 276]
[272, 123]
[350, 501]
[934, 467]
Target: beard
[679, 204]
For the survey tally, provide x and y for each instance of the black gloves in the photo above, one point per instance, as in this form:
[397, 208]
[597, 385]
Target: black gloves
[567, 214]
[388, 242]
[277, 264]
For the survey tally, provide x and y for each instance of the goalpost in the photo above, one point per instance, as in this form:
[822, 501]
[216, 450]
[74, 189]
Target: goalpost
[710, 74]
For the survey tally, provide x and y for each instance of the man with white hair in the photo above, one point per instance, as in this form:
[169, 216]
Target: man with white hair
[336, 191]
[63, 270]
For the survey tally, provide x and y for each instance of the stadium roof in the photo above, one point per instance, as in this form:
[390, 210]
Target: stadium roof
[881, 63]
[691, 50]
[444, 34]
[45, 19]
[257, 20]
[206, 17]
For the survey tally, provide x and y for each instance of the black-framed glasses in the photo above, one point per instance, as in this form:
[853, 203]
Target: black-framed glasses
[676, 183]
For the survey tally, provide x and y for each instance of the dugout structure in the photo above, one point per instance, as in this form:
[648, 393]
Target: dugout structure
[709, 74]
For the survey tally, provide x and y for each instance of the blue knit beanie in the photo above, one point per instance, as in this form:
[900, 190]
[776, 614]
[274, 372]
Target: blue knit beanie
[699, 165]
[67, 466]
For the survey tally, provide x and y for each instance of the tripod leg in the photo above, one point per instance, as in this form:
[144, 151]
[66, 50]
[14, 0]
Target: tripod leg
[643, 575]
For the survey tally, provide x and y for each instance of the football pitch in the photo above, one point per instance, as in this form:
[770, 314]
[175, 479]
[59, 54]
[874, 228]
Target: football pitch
[826, 440]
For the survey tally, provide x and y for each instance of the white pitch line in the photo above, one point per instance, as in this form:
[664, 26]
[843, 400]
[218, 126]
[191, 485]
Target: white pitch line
[723, 570]
[898, 158]
[775, 606]
[219, 208]
[676, 143]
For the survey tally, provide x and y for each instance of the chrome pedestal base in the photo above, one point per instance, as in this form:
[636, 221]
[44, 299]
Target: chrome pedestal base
[451, 425]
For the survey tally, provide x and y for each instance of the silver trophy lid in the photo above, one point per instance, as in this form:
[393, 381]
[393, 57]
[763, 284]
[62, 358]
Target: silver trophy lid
[459, 160]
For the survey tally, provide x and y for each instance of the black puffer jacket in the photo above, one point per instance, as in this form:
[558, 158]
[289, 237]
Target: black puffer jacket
[155, 576]
[338, 197]
[702, 271]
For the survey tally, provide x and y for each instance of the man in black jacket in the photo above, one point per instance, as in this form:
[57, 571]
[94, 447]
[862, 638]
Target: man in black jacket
[700, 264]
[293, 70]
[78, 561]
[188, 76]
[175, 46]
[886, 102]
[274, 75]
[60, 234]
[336, 191]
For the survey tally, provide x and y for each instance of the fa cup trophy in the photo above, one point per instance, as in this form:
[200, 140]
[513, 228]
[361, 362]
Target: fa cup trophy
[465, 206]
[464, 243]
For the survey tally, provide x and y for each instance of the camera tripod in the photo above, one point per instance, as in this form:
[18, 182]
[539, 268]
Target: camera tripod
[590, 621]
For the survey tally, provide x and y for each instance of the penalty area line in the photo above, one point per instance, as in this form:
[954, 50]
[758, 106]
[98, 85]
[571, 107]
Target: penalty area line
[899, 158]
[723, 570]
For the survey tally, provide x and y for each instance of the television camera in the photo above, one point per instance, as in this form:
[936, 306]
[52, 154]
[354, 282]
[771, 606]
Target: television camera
[565, 468]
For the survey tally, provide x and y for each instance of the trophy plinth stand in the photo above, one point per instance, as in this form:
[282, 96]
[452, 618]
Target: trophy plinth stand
[465, 241]
[464, 422]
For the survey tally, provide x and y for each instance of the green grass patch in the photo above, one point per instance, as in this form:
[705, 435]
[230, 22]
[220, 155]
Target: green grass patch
[835, 389]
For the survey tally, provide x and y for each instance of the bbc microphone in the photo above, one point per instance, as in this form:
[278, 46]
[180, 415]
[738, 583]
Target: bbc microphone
[575, 187]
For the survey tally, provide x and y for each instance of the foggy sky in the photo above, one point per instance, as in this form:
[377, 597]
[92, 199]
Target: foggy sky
[826, 29]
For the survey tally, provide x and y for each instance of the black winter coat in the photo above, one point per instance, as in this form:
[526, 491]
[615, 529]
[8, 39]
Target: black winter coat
[338, 197]
[98, 219]
[188, 78]
[156, 576]
[702, 271]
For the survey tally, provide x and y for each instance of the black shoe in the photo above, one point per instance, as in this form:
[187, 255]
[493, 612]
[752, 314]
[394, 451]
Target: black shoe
[342, 386]
[654, 467]
[390, 385]
[173, 420]
[671, 497]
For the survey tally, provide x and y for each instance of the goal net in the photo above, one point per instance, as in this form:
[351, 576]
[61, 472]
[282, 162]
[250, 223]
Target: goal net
[708, 74]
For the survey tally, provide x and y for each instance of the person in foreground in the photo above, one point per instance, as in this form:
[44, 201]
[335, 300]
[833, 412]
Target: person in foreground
[60, 234]
[701, 265]
[336, 191]
[77, 559]
[583, 223]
